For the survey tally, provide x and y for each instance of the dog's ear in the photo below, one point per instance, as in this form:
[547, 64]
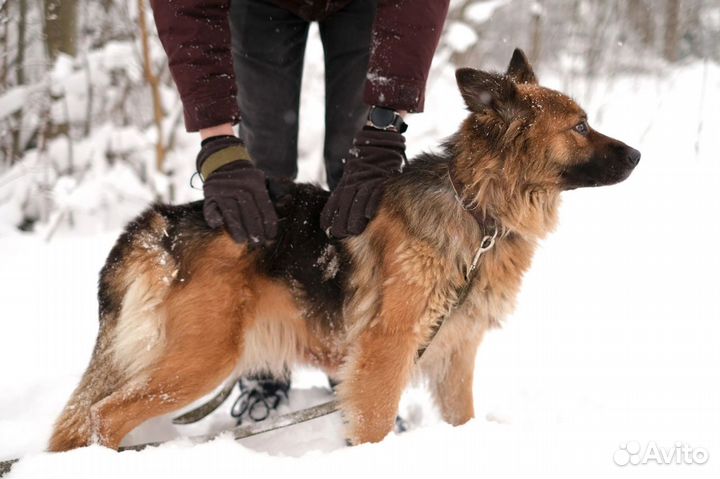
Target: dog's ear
[485, 92]
[520, 70]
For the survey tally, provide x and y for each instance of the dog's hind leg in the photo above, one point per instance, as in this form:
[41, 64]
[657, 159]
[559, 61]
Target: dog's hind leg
[175, 382]
[122, 387]
[74, 428]
[204, 326]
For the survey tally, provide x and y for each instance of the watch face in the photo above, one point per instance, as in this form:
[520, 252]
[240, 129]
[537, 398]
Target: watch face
[382, 117]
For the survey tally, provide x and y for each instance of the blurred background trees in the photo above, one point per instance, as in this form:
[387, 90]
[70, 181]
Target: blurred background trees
[87, 101]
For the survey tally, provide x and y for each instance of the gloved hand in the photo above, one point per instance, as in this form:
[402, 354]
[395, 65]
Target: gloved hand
[377, 154]
[235, 191]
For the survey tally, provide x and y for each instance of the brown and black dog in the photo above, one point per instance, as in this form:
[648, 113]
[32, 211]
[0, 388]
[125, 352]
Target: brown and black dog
[183, 307]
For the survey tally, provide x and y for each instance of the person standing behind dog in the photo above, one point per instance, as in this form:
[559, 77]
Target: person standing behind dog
[241, 61]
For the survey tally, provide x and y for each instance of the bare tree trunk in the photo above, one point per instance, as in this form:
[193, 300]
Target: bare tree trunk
[642, 19]
[5, 143]
[61, 27]
[42, 149]
[672, 29]
[21, 43]
[20, 79]
[152, 80]
[692, 24]
[4, 26]
[89, 99]
[536, 40]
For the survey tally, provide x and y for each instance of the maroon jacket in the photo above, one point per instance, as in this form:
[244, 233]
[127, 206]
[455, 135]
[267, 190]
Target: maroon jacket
[196, 38]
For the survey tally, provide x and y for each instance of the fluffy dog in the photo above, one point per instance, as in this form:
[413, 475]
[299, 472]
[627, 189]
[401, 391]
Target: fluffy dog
[183, 307]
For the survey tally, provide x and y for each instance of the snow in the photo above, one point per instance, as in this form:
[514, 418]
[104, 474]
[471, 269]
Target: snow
[480, 12]
[615, 337]
[12, 100]
[460, 37]
[328, 262]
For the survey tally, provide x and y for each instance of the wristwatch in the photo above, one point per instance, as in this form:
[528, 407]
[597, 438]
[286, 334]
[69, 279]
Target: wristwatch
[385, 119]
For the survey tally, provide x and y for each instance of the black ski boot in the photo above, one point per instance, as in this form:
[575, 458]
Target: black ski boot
[259, 395]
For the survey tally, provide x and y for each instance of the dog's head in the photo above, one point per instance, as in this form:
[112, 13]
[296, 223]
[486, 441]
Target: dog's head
[545, 136]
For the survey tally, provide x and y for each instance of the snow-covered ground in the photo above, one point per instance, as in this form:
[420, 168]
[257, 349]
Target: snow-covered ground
[614, 342]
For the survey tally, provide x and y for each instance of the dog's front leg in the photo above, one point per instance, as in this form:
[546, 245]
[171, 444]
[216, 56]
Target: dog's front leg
[379, 372]
[381, 361]
[451, 375]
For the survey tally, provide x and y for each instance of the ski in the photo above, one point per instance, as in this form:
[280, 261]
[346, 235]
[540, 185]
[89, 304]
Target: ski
[238, 432]
[203, 411]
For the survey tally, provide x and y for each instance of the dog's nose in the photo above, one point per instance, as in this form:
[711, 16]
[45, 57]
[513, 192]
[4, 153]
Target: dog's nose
[633, 157]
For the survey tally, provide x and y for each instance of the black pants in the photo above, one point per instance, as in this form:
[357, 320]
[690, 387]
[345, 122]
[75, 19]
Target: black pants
[268, 44]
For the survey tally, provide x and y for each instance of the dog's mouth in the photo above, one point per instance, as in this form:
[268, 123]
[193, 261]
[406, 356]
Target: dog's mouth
[601, 170]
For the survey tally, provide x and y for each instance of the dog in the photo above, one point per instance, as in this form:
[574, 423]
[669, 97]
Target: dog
[183, 307]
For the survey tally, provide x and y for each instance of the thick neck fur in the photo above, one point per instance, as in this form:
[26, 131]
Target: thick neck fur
[498, 188]
[502, 179]
[423, 198]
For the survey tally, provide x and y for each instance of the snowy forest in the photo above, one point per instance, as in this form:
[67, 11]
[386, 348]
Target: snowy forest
[612, 349]
[92, 123]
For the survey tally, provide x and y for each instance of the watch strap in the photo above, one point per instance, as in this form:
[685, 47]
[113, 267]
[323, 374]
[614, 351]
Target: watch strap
[397, 123]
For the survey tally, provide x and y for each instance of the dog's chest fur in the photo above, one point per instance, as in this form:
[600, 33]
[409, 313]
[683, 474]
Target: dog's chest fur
[498, 281]
[492, 290]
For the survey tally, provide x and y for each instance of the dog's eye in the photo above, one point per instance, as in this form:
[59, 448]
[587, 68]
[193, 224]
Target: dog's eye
[582, 128]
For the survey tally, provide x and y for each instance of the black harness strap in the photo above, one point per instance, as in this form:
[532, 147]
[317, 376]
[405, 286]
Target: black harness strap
[488, 242]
